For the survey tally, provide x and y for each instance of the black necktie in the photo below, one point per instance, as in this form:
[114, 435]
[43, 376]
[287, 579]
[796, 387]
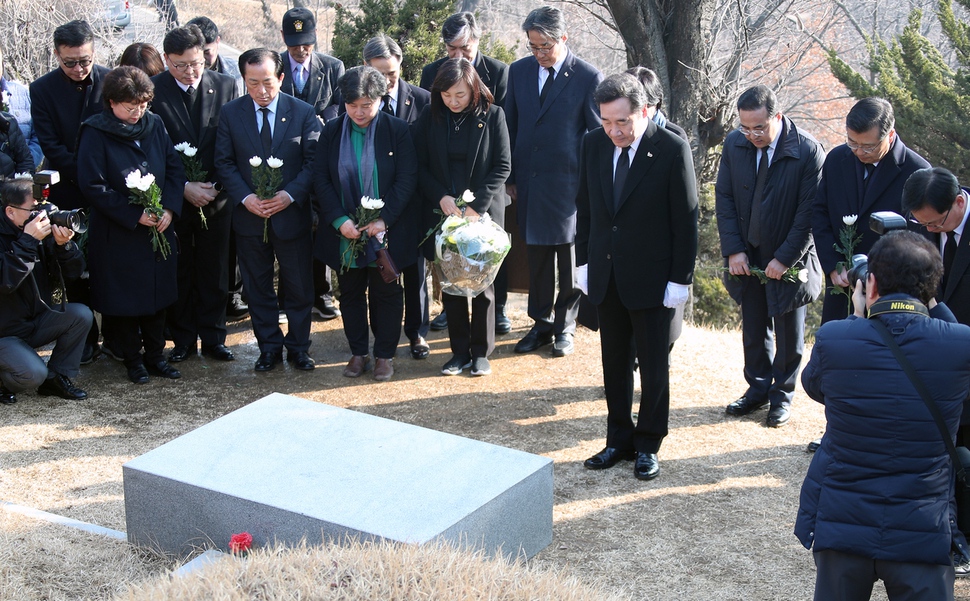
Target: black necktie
[387, 105]
[949, 251]
[266, 134]
[754, 225]
[192, 106]
[619, 176]
[869, 169]
[547, 85]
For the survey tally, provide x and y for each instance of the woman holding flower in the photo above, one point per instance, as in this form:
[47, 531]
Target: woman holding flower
[366, 155]
[463, 144]
[133, 272]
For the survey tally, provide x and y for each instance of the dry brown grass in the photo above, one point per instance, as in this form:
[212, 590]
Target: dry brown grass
[367, 572]
[716, 525]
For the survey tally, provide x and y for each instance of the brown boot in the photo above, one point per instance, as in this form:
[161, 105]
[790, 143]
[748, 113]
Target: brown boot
[383, 370]
[358, 364]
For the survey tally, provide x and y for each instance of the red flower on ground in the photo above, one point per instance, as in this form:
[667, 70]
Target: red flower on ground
[240, 542]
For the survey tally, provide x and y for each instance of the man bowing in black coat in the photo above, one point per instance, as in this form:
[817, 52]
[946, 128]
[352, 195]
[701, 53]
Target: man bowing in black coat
[188, 98]
[765, 188]
[637, 198]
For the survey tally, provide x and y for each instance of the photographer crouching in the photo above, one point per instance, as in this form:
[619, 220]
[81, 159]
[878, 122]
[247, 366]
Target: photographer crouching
[37, 258]
[876, 501]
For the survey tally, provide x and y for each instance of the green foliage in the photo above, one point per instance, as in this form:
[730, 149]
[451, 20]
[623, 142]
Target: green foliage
[414, 24]
[930, 99]
[496, 49]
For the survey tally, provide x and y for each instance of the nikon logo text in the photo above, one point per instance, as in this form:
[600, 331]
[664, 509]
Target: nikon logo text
[901, 306]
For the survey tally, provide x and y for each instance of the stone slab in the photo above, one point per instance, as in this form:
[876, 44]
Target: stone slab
[285, 469]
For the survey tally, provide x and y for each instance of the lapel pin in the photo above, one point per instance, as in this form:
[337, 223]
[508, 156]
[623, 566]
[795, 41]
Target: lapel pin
[283, 120]
[481, 125]
[407, 102]
[390, 154]
[649, 155]
[210, 91]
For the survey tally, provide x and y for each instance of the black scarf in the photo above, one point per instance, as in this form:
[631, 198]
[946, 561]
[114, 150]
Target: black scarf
[107, 122]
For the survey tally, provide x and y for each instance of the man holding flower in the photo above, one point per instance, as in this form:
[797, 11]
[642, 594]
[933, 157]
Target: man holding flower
[263, 125]
[188, 98]
[765, 188]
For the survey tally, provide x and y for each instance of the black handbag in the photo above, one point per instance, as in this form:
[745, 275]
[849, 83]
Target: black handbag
[959, 455]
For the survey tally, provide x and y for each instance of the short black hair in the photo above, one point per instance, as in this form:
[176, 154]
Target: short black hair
[15, 191]
[869, 113]
[127, 84]
[758, 97]
[933, 187]
[257, 56]
[547, 21]
[621, 85]
[362, 82]
[180, 39]
[651, 85]
[451, 72]
[208, 27]
[73, 34]
[906, 262]
[144, 56]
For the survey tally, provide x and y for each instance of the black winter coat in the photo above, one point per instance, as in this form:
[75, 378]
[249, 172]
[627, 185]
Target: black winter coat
[15, 155]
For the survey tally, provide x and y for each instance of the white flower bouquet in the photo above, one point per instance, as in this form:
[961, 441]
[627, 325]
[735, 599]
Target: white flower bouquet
[194, 172]
[146, 193]
[267, 179]
[368, 212]
[468, 254]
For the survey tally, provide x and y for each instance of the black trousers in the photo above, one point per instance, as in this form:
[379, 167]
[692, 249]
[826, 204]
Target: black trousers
[553, 312]
[130, 333]
[203, 280]
[417, 318]
[362, 289]
[21, 368]
[847, 577]
[471, 336]
[256, 262]
[645, 333]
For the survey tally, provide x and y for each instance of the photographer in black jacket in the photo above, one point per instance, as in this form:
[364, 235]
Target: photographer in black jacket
[36, 258]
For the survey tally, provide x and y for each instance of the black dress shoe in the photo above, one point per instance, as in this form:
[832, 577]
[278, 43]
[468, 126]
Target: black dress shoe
[420, 348]
[7, 397]
[440, 323]
[646, 467]
[607, 458]
[814, 445]
[218, 352]
[58, 385]
[563, 345]
[268, 360]
[503, 325]
[138, 374]
[89, 353]
[300, 360]
[778, 416]
[181, 352]
[236, 309]
[745, 405]
[163, 370]
[532, 341]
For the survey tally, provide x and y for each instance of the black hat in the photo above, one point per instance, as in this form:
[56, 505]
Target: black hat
[299, 27]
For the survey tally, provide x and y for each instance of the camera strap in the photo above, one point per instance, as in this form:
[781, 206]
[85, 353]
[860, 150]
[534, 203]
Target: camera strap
[882, 306]
[924, 393]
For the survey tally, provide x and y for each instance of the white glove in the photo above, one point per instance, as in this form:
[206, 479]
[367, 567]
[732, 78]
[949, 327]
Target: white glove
[582, 278]
[675, 295]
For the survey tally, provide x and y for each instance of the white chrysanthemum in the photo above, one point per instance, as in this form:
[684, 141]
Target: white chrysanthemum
[803, 276]
[133, 180]
[190, 151]
[850, 219]
[372, 203]
[274, 162]
[467, 196]
[255, 161]
[181, 146]
[146, 182]
[22, 175]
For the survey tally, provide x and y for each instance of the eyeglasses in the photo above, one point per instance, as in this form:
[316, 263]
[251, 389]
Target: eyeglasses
[31, 209]
[756, 133]
[183, 67]
[544, 50]
[132, 111]
[864, 148]
[83, 62]
[938, 224]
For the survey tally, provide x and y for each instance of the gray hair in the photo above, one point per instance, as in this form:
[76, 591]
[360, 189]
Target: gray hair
[460, 27]
[547, 21]
[382, 46]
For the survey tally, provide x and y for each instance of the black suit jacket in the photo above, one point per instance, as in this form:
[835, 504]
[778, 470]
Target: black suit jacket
[489, 160]
[320, 89]
[956, 283]
[493, 72]
[58, 106]
[295, 136]
[652, 238]
[214, 91]
[397, 168]
[411, 100]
